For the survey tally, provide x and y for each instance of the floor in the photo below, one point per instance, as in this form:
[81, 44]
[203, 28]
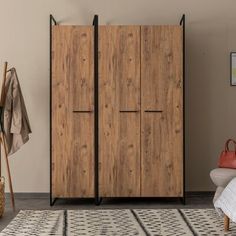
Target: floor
[193, 200]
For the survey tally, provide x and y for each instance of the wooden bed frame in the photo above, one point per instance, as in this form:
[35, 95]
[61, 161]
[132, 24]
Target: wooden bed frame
[226, 223]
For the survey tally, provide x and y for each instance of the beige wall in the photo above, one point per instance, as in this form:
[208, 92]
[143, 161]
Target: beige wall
[210, 101]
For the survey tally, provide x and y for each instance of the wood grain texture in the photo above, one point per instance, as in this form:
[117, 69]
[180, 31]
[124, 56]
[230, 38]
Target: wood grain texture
[82, 72]
[128, 63]
[162, 133]
[128, 164]
[72, 133]
[119, 137]
[226, 223]
[82, 180]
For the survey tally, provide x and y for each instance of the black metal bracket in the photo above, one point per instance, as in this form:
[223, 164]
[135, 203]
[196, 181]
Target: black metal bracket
[52, 22]
[182, 23]
[96, 115]
[182, 20]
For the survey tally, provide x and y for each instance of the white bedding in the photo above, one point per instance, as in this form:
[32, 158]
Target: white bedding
[226, 203]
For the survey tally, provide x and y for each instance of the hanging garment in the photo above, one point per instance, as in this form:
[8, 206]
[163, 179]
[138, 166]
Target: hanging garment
[15, 120]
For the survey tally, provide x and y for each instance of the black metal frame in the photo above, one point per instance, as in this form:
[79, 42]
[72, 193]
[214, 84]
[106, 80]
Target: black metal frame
[231, 55]
[52, 22]
[98, 200]
[96, 113]
[182, 23]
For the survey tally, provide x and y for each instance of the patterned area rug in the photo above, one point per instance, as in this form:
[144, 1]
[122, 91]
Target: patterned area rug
[153, 222]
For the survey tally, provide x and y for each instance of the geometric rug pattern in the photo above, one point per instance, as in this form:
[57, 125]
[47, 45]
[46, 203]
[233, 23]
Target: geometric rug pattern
[162, 222]
[207, 222]
[118, 222]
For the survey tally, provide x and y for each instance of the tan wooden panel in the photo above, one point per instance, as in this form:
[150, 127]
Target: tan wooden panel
[70, 131]
[82, 73]
[116, 46]
[82, 180]
[128, 70]
[128, 164]
[162, 90]
[161, 160]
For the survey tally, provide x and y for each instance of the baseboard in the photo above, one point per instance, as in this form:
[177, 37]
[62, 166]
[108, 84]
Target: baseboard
[200, 193]
[29, 195]
[46, 195]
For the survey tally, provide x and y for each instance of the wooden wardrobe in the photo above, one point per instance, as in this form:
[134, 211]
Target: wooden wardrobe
[135, 116]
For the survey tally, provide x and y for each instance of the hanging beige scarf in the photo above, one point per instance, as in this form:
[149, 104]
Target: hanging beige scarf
[15, 119]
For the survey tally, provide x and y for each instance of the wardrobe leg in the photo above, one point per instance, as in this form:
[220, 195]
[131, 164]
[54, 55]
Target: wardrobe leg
[52, 201]
[183, 200]
[98, 201]
[226, 223]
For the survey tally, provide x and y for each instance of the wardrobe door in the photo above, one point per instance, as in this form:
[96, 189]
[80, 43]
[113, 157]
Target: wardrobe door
[119, 111]
[72, 112]
[161, 111]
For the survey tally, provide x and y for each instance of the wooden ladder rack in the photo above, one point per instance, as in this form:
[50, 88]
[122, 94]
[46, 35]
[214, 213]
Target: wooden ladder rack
[2, 137]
